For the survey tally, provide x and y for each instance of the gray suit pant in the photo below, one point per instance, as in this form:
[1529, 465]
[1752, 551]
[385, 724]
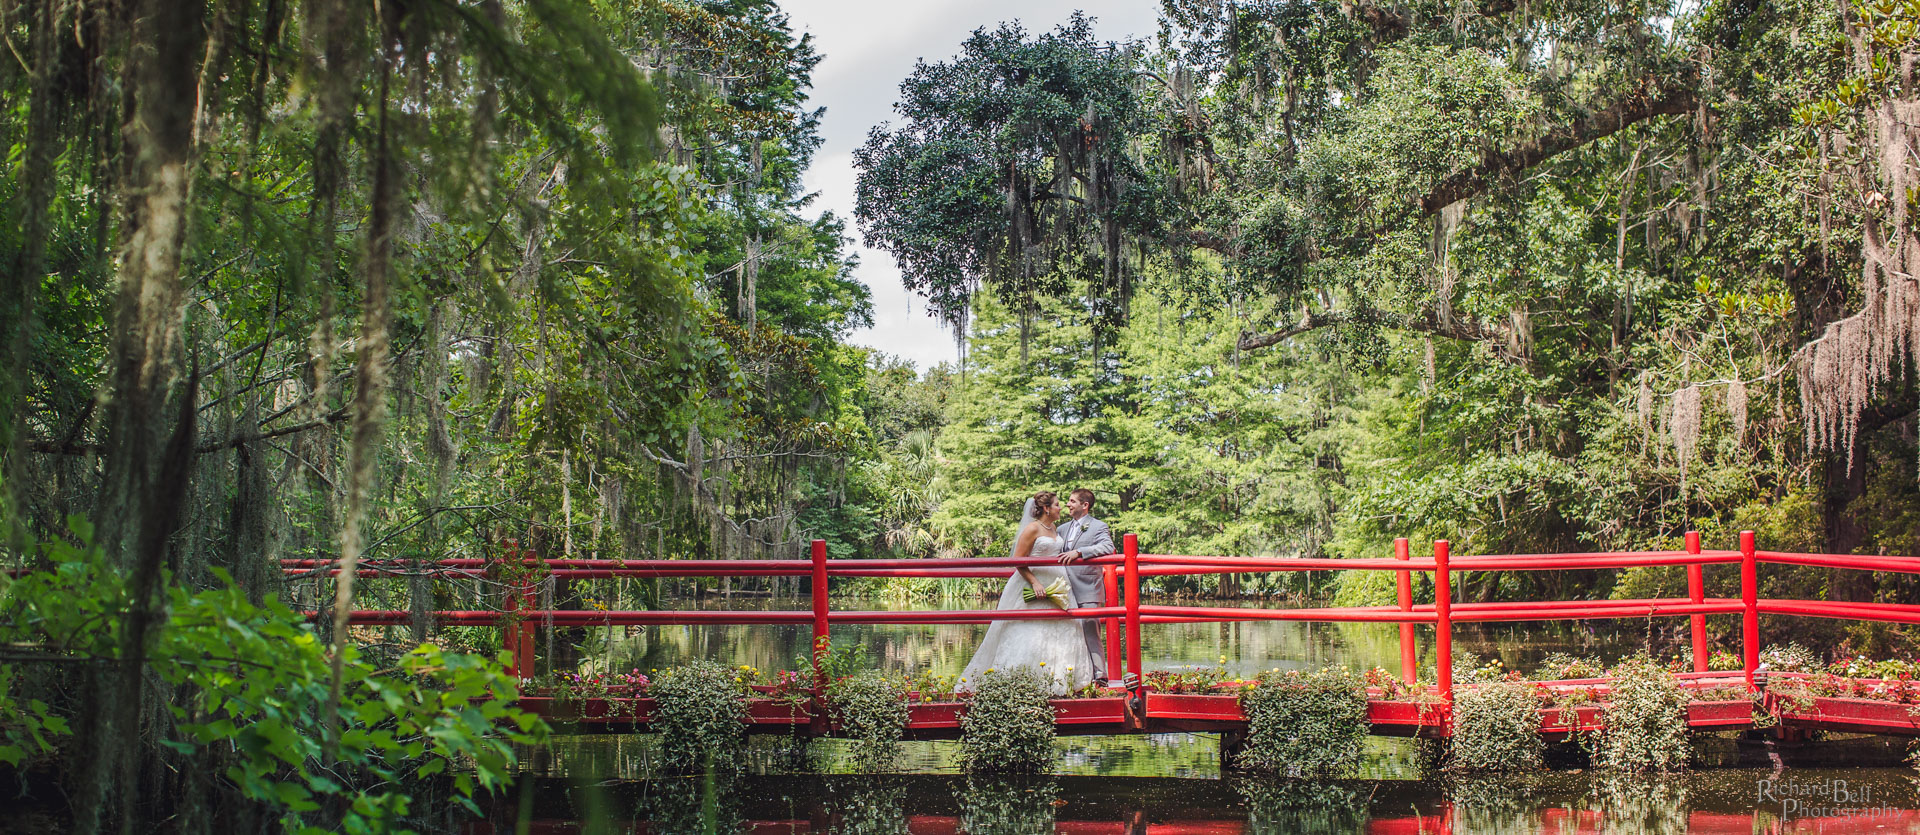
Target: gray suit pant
[1090, 592]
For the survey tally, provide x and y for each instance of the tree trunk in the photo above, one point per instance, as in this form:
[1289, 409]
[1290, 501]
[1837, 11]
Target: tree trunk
[140, 502]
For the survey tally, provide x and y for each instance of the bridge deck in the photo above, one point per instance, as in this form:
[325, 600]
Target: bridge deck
[1149, 712]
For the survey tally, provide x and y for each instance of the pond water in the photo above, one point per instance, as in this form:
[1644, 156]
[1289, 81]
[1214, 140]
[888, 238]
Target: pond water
[1720, 801]
[943, 649]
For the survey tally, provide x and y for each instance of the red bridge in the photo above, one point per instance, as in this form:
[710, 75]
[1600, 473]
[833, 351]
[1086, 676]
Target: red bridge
[1408, 709]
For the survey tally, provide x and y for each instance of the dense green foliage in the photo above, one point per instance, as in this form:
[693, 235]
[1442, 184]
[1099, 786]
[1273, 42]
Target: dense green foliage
[1496, 727]
[1646, 720]
[1008, 724]
[1530, 279]
[251, 704]
[871, 709]
[1309, 724]
[390, 283]
[700, 710]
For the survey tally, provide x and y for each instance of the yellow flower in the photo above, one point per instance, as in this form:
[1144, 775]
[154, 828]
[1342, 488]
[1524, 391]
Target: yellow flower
[989, 669]
[1043, 663]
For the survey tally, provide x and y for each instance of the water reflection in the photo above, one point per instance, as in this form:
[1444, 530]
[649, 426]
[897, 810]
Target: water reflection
[1728, 801]
[1279, 807]
[603, 757]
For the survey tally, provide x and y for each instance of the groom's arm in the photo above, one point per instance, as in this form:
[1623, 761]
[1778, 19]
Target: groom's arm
[1100, 545]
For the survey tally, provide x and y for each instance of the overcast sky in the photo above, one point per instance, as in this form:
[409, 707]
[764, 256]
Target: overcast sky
[869, 48]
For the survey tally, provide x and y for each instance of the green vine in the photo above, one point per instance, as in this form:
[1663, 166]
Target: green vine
[1008, 726]
[1304, 724]
[1646, 724]
[1496, 727]
[871, 709]
[700, 712]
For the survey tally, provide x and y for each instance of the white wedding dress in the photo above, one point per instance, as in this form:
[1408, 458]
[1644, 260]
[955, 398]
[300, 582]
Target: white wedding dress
[1054, 648]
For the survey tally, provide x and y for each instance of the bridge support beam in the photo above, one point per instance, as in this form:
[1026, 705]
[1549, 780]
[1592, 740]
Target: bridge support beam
[1443, 621]
[1750, 597]
[822, 641]
[1697, 592]
[1409, 656]
[1116, 662]
[1130, 546]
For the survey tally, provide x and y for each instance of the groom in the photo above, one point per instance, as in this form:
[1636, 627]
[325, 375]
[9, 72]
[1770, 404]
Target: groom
[1084, 537]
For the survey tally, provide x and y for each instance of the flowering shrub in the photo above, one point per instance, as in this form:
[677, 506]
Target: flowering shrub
[699, 710]
[1190, 680]
[1304, 724]
[1789, 658]
[871, 708]
[1389, 685]
[1468, 667]
[928, 687]
[1496, 727]
[1008, 726]
[600, 685]
[1559, 665]
[1646, 724]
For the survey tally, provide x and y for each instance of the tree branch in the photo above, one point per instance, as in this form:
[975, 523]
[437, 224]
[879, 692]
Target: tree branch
[1665, 98]
[1426, 321]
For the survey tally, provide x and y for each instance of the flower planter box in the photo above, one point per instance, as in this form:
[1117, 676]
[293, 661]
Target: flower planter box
[1840, 713]
[1721, 714]
[1100, 710]
[1104, 710]
[1407, 718]
[1566, 720]
[772, 712]
[935, 715]
[639, 711]
[593, 710]
[1201, 707]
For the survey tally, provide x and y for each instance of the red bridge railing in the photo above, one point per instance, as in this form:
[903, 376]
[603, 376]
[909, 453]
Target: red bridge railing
[1124, 572]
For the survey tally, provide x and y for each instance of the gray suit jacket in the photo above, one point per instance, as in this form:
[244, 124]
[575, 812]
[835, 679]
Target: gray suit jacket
[1091, 538]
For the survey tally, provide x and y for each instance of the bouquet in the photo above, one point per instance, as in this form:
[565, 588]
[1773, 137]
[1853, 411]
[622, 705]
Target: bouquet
[1055, 593]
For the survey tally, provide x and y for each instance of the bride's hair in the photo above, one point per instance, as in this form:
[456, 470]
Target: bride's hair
[1043, 500]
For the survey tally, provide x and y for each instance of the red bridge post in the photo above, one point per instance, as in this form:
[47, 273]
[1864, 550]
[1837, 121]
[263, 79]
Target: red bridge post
[821, 640]
[1130, 545]
[1750, 596]
[1409, 660]
[519, 633]
[1443, 620]
[1116, 663]
[1697, 592]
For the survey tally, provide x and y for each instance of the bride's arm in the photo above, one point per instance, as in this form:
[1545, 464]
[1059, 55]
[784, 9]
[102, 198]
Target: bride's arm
[1023, 547]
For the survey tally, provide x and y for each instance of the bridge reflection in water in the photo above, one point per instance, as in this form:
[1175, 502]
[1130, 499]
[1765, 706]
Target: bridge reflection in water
[1723, 801]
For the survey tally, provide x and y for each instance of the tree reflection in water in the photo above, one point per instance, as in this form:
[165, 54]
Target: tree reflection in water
[1547, 803]
[1007, 806]
[1495, 804]
[1277, 806]
[707, 804]
[1653, 804]
[868, 805]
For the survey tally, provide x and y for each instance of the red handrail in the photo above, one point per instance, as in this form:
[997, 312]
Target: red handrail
[1123, 573]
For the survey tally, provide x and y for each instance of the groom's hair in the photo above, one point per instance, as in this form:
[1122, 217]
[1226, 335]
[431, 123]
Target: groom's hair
[1083, 494]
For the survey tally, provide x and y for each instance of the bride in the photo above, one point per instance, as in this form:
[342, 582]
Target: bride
[1055, 648]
